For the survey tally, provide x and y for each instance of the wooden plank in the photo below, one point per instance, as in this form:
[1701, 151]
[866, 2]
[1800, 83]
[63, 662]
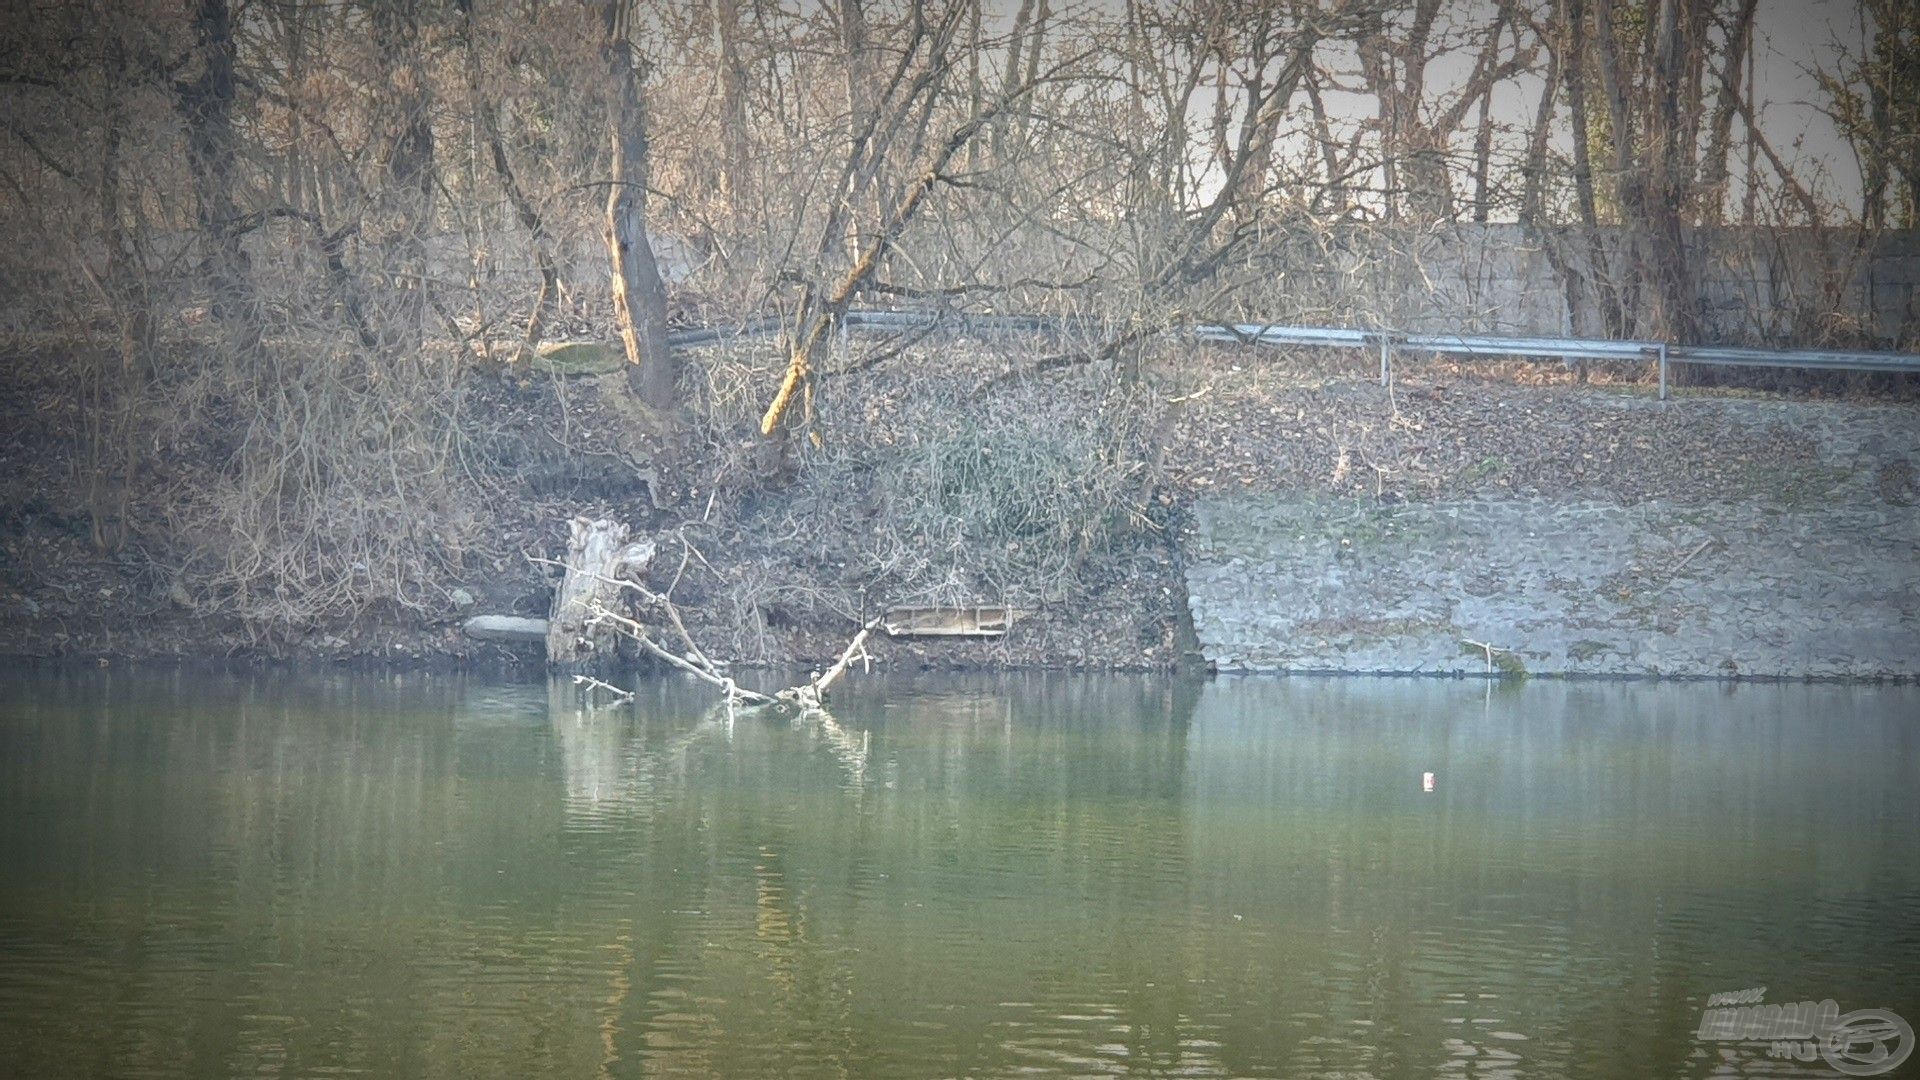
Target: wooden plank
[976, 621]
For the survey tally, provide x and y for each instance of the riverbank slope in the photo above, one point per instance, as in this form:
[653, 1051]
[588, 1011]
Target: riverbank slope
[1321, 521]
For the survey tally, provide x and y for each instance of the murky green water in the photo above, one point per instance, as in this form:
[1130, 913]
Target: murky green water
[215, 876]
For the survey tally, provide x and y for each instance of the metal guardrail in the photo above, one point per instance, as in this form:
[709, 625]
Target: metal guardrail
[1659, 352]
[1386, 342]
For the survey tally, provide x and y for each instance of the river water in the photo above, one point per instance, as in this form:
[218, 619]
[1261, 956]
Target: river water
[221, 875]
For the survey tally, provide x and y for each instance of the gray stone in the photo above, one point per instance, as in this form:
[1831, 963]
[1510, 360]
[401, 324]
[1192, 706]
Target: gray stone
[1569, 586]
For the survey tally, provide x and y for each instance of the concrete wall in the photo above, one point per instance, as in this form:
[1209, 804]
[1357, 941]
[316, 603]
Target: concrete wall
[1816, 574]
[1794, 287]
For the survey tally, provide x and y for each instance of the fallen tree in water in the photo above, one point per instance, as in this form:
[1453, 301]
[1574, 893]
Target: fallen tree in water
[602, 566]
[808, 698]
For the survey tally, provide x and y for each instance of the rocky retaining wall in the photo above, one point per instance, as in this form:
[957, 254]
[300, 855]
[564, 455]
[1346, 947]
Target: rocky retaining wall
[1558, 586]
[1801, 563]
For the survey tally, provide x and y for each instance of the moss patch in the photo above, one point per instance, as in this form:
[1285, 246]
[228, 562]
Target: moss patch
[1505, 661]
[1586, 649]
[578, 358]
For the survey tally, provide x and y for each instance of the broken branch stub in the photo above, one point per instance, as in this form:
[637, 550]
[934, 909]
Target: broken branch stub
[600, 560]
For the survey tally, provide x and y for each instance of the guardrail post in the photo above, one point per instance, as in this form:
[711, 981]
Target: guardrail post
[1663, 371]
[1386, 361]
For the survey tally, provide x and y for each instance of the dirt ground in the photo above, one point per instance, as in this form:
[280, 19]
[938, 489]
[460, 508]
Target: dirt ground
[782, 572]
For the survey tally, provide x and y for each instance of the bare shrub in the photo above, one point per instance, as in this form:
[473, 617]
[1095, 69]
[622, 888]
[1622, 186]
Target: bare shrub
[345, 492]
[969, 495]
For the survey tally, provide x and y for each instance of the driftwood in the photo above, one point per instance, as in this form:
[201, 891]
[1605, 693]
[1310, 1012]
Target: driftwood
[812, 697]
[590, 610]
[658, 609]
[601, 561]
[505, 628]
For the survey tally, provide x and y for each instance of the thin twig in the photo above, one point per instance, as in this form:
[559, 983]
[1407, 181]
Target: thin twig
[592, 684]
[707, 674]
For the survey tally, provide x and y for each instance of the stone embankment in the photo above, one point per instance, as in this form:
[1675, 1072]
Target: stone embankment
[1790, 580]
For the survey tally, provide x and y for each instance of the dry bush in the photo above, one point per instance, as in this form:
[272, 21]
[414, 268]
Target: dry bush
[967, 494]
[348, 490]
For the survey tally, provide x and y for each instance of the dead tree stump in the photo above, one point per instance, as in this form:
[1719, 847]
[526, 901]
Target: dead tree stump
[599, 557]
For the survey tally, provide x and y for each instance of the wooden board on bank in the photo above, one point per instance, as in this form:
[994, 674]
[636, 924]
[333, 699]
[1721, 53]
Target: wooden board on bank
[979, 621]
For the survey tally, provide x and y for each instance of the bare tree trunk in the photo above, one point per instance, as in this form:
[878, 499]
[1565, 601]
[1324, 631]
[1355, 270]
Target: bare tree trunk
[1613, 86]
[1016, 41]
[1482, 156]
[1533, 195]
[1577, 115]
[1670, 168]
[1035, 47]
[207, 105]
[1714, 168]
[1888, 147]
[409, 168]
[865, 216]
[732, 83]
[639, 294]
[1333, 187]
[1620, 132]
[296, 136]
[976, 89]
[487, 117]
[1250, 161]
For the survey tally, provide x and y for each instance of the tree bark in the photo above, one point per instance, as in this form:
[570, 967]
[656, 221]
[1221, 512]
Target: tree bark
[865, 215]
[409, 169]
[732, 79]
[599, 557]
[487, 114]
[1533, 196]
[206, 104]
[1668, 171]
[639, 294]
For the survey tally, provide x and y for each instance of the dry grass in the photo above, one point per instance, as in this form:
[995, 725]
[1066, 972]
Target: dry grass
[929, 482]
[348, 487]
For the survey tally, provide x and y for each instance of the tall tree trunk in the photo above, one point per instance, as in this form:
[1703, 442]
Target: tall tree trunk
[865, 215]
[1036, 46]
[1533, 195]
[1750, 198]
[207, 106]
[487, 116]
[732, 84]
[1483, 157]
[1669, 168]
[976, 89]
[1599, 273]
[1626, 190]
[1334, 188]
[639, 294]
[1009, 77]
[1619, 117]
[1714, 168]
[296, 25]
[409, 169]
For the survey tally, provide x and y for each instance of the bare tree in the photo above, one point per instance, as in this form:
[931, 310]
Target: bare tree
[639, 294]
[206, 103]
